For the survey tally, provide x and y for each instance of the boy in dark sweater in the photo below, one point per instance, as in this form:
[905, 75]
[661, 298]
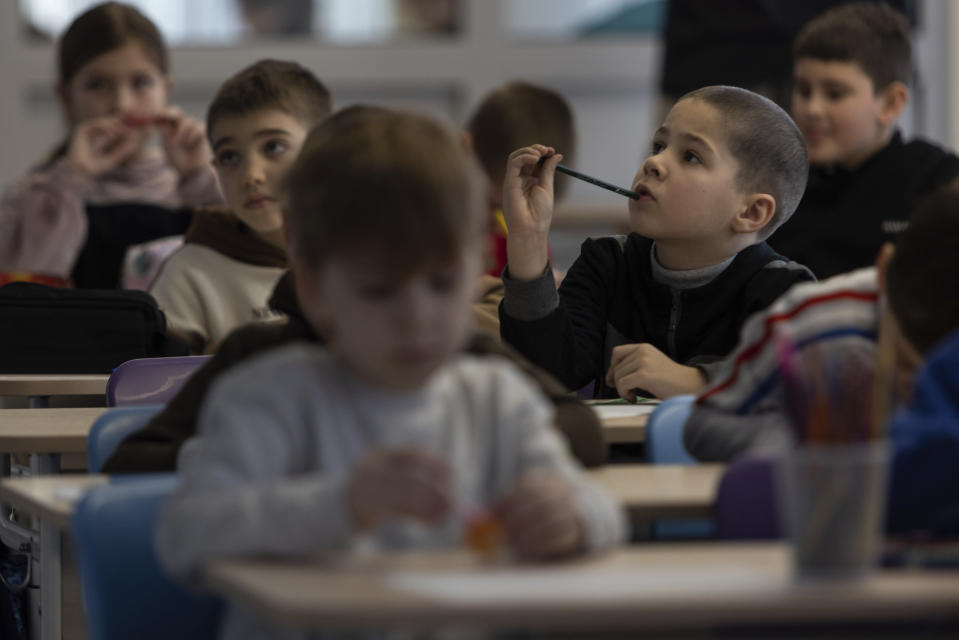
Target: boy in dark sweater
[650, 311]
[851, 73]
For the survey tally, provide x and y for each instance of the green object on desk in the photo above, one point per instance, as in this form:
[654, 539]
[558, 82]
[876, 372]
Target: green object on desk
[639, 400]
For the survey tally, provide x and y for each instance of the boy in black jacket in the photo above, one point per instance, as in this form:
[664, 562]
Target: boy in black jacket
[851, 73]
[648, 311]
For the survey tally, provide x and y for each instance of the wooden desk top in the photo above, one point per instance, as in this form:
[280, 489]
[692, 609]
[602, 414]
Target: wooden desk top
[50, 497]
[651, 491]
[651, 587]
[647, 491]
[46, 430]
[28, 384]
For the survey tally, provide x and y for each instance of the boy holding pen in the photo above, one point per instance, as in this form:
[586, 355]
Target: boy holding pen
[653, 311]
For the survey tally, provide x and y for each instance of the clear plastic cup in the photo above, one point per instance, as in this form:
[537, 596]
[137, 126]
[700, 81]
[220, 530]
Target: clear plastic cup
[832, 500]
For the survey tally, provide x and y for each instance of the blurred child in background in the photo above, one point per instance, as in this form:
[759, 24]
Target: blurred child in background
[232, 258]
[113, 84]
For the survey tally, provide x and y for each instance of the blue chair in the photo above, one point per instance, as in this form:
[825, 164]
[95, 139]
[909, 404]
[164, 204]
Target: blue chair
[111, 428]
[664, 431]
[125, 592]
[664, 445]
[150, 380]
[746, 504]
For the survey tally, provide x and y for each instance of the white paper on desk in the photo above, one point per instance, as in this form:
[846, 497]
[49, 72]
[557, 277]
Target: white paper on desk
[534, 585]
[622, 410]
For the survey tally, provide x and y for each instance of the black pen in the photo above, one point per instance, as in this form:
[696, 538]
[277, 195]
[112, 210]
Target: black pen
[590, 179]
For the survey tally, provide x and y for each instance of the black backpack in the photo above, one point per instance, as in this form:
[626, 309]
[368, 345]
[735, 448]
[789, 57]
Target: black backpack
[49, 330]
[112, 229]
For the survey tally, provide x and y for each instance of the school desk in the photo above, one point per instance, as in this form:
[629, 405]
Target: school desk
[46, 434]
[661, 491]
[649, 588]
[623, 423]
[39, 387]
[51, 499]
[50, 437]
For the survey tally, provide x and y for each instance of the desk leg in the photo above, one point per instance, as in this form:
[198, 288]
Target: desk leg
[41, 464]
[49, 582]
[39, 402]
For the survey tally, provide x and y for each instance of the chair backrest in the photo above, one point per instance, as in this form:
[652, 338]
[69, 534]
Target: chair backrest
[746, 505]
[111, 428]
[125, 591]
[664, 431]
[150, 380]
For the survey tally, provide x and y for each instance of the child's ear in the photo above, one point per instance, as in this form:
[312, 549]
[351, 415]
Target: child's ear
[892, 101]
[883, 258]
[757, 213]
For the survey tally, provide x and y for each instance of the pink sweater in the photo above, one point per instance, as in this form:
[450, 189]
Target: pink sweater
[43, 224]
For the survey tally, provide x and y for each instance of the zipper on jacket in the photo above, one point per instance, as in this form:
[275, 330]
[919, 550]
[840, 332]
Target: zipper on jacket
[674, 313]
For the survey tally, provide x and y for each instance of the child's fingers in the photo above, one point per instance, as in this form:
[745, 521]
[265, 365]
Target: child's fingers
[420, 483]
[422, 462]
[558, 535]
[118, 149]
[618, 356]
[532, 497]
[626, 386]
[417, 496]
[547, 172]
[539, 517]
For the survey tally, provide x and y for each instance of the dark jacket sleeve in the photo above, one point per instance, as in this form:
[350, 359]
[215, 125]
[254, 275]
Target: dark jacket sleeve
[579, 425]
[569, 340]
[155, 447]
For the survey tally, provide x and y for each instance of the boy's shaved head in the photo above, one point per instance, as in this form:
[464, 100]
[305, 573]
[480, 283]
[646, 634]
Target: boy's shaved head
[766, 143]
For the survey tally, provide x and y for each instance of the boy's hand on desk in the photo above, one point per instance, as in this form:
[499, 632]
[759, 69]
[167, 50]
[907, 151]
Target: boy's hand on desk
[185, 143]
[540, 517]
[100, 144]
[396, 483]
[528, 209]
[643, 366]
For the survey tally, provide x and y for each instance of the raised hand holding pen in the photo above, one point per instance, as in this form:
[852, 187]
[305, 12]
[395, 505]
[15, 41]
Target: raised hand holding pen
[528, 209]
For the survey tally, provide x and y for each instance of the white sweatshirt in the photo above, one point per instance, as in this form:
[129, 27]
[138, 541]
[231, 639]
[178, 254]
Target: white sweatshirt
[205, 295]
[278, 439]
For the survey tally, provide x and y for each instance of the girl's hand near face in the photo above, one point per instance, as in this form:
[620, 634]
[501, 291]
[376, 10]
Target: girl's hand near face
[100, 144]
[185, 143]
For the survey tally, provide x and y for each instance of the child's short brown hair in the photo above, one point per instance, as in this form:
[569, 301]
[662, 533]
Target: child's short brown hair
[766, 143]
[396, 184]
[921, 278]
[518, 115]
[874, 36]
[271, 84]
